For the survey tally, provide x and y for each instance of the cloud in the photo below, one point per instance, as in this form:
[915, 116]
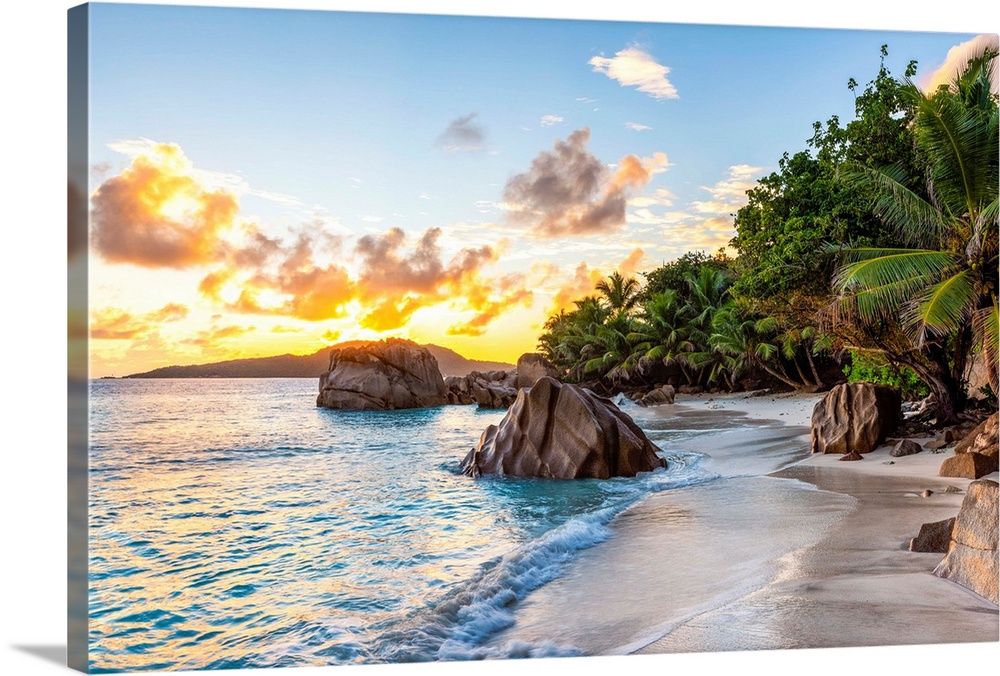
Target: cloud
[582, 284]
[396, 282]
[660, 197]
[463, 135]
[568, 191]
[211, 338]
[956, 60]
[117, 324]
[584, 99]
[633, 67]
[632, 263]
[635, 126]
[159, 213]
[211, 180]
[156, 214]
[549, 120]
[585, 280]
[729, 194]
[294, 284]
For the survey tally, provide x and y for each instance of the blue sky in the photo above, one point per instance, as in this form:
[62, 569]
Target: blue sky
[332, 129]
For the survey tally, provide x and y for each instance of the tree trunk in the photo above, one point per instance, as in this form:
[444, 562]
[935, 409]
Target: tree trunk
[935, 372]
[812, 367]
[963, 343]
[802, 375]
[784, 379]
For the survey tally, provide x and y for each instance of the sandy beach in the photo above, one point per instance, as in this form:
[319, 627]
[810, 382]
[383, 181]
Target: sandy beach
[784, 550]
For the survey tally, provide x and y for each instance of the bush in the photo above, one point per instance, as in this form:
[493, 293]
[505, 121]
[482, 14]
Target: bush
[874, 368]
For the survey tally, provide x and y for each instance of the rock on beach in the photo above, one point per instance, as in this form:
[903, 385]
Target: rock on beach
[854, 417]
[562, 431]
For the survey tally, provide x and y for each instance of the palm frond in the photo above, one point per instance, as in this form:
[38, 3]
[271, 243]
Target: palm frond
[941, 309]
[986, 324]
[915, 219]
[878, 285]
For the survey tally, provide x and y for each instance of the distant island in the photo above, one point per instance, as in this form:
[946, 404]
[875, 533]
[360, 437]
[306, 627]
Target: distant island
[309, 366]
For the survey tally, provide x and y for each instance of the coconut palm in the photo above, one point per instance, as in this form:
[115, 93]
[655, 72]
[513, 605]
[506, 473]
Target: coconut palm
[941, 285]
[612, 348]
[621, 294]
[660, 334]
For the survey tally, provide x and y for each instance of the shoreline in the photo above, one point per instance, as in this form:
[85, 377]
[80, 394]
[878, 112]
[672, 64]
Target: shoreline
[859, 585]
[832, 568]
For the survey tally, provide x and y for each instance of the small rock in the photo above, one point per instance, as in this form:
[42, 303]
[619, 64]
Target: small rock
[889, 462]
[952, 489]
[935, 444]
[926, 493]
[905, 447]
[853, 455]
[933, 537]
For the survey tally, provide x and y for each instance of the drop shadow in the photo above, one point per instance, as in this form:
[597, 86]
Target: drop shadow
[50, 653]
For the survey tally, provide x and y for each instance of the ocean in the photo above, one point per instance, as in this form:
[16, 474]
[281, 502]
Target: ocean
[233, 524]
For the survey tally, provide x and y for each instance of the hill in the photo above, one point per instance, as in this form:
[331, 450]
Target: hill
[450, 362]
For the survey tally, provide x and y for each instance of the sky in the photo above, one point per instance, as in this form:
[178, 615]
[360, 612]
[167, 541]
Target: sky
[34, 278]
[267, 181]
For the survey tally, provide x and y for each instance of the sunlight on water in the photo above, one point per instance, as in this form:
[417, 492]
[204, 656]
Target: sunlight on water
[234, 524]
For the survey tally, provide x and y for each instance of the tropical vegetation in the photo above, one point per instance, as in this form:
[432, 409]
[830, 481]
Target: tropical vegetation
[871, 254]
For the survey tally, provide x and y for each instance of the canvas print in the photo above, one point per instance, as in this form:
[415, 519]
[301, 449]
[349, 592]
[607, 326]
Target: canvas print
[412, 338]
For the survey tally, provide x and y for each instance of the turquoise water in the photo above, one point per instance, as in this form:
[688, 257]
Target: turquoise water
[235, 525]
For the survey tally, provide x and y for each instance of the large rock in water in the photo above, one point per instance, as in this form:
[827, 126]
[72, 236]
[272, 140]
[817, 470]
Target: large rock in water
[854, 417]
[972, 559]
[562, 431]
[381, 376]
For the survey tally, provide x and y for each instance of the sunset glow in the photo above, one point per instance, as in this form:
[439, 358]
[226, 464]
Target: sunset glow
[229, 220]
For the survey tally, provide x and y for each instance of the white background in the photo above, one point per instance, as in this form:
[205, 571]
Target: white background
[33, 326]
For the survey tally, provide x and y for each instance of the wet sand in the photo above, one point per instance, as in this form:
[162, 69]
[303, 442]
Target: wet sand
[785, 550]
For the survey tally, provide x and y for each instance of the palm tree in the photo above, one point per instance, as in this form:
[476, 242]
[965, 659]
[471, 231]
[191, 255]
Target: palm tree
[611, 346]
[566, 339]
[621, 294]
[660, 334]
[941, 285]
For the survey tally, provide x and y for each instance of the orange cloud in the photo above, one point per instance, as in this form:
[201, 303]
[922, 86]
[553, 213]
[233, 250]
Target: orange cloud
[630, 265]
[210, 339]
[491, 301]
[397, 283]
[636, 173]
[117, 324]
[162, 212]
[583, 283]
[295, 283]
[585, 280]
[156, 214]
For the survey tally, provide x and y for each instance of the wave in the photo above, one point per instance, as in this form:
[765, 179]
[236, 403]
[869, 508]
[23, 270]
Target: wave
[456, 626]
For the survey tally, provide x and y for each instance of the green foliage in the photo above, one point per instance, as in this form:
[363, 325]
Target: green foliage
[796, 213]
[940, 288]
[614, 336]
[874, 368]
[674, 276]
